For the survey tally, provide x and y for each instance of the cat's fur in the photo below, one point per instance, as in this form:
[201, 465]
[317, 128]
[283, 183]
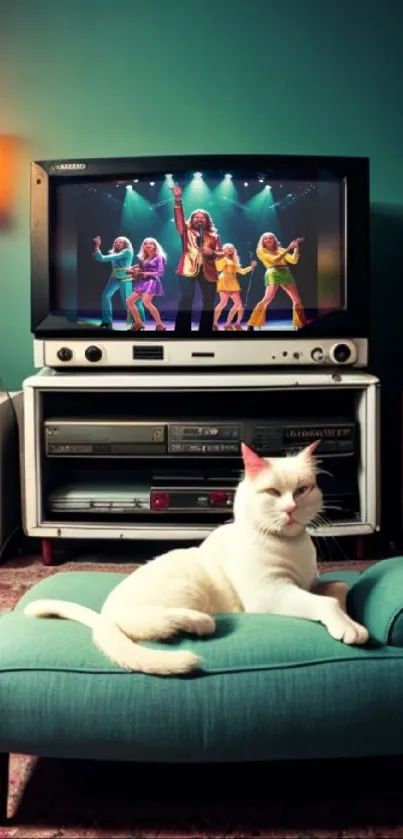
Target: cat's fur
[264, 561]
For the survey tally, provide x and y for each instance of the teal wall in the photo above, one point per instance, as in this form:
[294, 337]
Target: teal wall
[151, 77]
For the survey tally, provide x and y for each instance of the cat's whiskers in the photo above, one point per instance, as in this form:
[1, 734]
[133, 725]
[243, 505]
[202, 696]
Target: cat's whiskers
[277, 525]
[273, 529]
[322, 471]
[323, 549]
[321, 541]
[324, 540]
[316, 520]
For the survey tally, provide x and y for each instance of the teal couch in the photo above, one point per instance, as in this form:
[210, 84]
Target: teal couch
[272, 688]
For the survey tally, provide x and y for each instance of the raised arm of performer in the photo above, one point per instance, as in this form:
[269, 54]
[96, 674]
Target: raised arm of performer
[178, 210]
[286, 254]
[112, 256]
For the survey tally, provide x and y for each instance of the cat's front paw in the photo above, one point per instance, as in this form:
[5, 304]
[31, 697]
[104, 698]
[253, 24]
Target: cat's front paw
[204, 625]
[344, 629]
[196, 623]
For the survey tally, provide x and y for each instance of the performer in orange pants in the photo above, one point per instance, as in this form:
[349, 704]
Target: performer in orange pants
[277, 260]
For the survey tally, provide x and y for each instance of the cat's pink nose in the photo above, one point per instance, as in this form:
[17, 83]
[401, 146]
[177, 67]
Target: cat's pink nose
[290, 508]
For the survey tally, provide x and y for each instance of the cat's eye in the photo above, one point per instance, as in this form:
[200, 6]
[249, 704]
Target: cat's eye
[272, 491]
[302, 491]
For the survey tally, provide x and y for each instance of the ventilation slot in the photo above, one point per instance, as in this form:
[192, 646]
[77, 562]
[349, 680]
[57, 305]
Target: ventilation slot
[150, 353]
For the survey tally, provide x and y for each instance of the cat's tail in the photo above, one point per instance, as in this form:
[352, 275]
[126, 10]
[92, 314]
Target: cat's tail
[110, 639]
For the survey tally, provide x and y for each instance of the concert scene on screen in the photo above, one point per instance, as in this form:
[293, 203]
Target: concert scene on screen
[198, 252]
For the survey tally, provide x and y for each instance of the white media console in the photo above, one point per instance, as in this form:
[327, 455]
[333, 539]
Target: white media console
[135, 396]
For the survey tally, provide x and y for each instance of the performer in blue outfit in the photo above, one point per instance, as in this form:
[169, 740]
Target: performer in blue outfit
[121, 257]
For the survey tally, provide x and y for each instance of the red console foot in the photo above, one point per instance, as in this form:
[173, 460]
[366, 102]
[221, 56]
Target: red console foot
[47, 552]
[4, 765]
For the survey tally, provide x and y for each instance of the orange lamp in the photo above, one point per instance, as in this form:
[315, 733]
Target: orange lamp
[9, 159]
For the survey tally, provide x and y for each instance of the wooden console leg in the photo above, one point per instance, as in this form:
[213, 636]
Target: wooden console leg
[4, 766]
[359, 548]
[47, 552]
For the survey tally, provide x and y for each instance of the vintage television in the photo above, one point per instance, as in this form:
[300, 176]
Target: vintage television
[224, 261]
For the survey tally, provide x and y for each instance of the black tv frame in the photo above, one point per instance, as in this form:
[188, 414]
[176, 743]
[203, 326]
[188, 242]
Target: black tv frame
[353, 322]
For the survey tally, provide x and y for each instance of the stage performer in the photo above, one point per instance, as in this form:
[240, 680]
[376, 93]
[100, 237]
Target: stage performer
[147, 275]
[121, 257]
[228, 287]
[276, 260]
[200, 248]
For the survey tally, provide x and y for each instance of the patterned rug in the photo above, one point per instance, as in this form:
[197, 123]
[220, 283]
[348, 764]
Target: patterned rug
[60, 799]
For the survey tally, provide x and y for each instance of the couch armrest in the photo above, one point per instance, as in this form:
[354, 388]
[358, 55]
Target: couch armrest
[376, 601]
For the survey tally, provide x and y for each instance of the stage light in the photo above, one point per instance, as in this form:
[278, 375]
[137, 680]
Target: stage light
[198, 175]
[261, 180]
[246, 183]
[135, 180]
[168, 176]
[228, 177]
[129, 187]
[152, 183]
[267, 186]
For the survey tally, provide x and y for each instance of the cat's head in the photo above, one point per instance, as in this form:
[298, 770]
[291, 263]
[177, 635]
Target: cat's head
[279, 494]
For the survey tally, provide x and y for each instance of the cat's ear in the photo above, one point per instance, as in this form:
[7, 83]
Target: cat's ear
[254, 464]
[309, 451]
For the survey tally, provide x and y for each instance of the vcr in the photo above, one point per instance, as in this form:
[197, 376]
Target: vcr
[118, 438]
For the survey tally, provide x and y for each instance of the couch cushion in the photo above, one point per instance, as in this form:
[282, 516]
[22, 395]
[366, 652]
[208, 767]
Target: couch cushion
[376, 599]
[271, 688]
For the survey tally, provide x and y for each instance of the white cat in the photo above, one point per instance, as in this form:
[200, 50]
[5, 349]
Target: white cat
[264, 561]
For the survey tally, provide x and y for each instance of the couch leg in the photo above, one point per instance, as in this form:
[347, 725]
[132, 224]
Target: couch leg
[4, 766]
[47, 552]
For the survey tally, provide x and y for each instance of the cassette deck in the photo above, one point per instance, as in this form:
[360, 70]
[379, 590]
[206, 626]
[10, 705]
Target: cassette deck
[111, 438]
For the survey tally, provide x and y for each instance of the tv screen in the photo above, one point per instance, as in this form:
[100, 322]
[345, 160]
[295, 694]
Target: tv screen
[185, 252]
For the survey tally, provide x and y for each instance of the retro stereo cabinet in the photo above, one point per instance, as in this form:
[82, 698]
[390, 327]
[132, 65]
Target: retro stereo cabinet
[156, 456]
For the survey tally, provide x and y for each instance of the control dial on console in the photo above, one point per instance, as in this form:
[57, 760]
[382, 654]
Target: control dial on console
[64, 354]
[93, 353]
[317, 354]
[341, 353]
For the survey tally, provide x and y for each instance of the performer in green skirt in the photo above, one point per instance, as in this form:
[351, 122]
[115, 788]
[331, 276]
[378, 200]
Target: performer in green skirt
[277, 260]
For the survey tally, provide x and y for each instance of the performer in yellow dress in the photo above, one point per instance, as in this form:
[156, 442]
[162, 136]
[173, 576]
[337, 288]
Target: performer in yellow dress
[276, 260]
[229, 289]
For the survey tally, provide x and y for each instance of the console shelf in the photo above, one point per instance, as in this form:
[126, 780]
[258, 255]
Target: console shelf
[65, 488]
